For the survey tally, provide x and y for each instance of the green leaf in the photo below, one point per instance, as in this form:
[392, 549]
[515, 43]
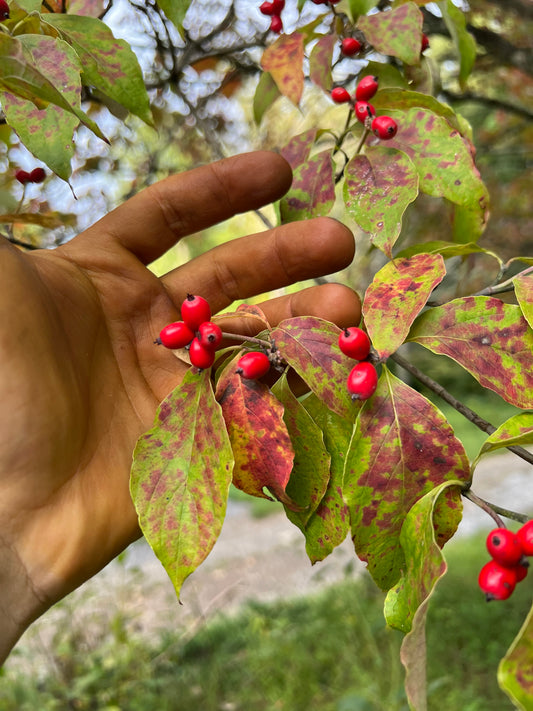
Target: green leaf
[465, 44]
[396, 296]
[517, 430]
[312, 192]
[402, 448]
[360, 7]
[487, 337]
[407, 603]
[175, 10]
[515, 671]
[446, 249]
[20, 76]
[261, 445]
[284, 60]
[108, 64]
[396, 33]
[378, 187]
[310, 346]
[320, 61]
[468, 224]
[265, 95]
[523, 288]
[181, 475]
[49, 220]
[402, 99]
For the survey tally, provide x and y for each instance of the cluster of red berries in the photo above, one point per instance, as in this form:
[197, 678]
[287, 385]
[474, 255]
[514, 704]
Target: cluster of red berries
[509, 564]
[37, 175]
[4, 10]
[383, 127]
[273, 10]
[362, 380]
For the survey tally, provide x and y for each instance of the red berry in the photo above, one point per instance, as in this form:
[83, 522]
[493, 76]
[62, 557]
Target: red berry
[22, 176]
[175, 335]
[525, 536]
[362, 381]
[366, 88]
[209, 334]
[354, 343]
[37, 175]
[350, 46]
[364, 111]
[521, 571]
[200, 356]
[496, 581]
[194, 311]
[278, 6]
[267, 8]
[384, 127]
[276, 24]
[504, 546]
[340, 95]
[425, 42]
[4, 10]
[253, 365]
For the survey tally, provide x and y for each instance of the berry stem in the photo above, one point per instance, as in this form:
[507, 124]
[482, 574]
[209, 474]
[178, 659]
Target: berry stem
[362, 141]
[247, 339]
[494, 510]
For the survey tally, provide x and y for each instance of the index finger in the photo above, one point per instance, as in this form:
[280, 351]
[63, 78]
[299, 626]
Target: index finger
[152, 221]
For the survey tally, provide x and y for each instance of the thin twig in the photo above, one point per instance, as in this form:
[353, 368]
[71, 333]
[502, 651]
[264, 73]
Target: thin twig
[494, 509]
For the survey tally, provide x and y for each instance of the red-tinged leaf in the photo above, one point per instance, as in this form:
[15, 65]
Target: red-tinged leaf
[515, 671]
[489, 338]
[265, 95]
[108, 64]
[297, 150]
[181, 475]
[312, 192]
[284, 60]
[446, 249]
[396, 33]
[50, 220]
[402, 448]
[402, 99]
[517, 430]
[261, 445]
[465, 44]
[523, 288]
[92, 8]
[442, 156]
[378, 187]
[310, 473]
[329, 525]
[320, 61]
[310, 346]
[397, 294]
[407, 603]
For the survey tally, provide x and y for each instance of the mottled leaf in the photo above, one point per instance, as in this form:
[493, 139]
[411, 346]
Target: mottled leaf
[515, 671]
[93, 8]
[320, 61]
[50, 220]
[378, 187]
[402, 99]
[297, 150]
[407, 603]
[396, 295]
[402, 448]
[310, 345]
[517, 430]
[284, 60]
[265, 95]
[312, 192]
[108, 64]
[396, 33]
[523, 288]
[446, 249]
[48, 133]
[489, 338]
[181, 475]
[261, 445]
[465, 44]
[330, 523]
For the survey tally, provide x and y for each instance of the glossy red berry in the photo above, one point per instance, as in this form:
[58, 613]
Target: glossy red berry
[253, 365]
[525, 536]
[350, 46]
[521, 571]
[22, 176]
[4, 10]
[362, 381]
[276, 24]
[267, 8]
[278, 6]
[209, 334]
[504, 547]
[340, 95]
[366, 88]
[384, 127]
[354, 343]
[175, 335]
[37, 175]
[194, 311]
[363, 110]
[496, 581]
[425, 42]
[200, 356]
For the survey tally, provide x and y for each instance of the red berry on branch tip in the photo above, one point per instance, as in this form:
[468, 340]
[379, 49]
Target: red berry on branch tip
[340, 95]
[253, 365]
[496, 581]
[209, 334]
[384, 127]
[201, 357]
[366, 88]
[363, 111]
[22, 176]
[362, 381]
[350, 46]
[37, 175]
[194, 311]
[525, 536]
[504, 547]
[4, 10]
[175, 335]
[276, 24]
[354, 343]
[425, 42]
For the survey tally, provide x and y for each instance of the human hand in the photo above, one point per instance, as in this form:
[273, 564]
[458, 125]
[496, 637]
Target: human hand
[81, 378]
